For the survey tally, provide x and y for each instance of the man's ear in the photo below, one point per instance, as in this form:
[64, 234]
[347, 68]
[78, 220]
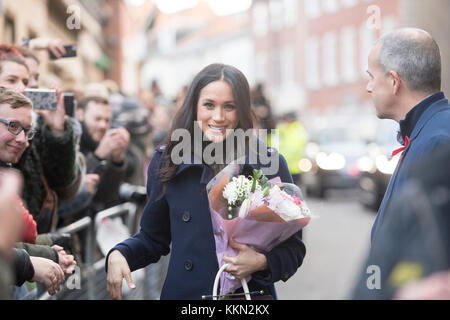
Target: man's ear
[396, 82]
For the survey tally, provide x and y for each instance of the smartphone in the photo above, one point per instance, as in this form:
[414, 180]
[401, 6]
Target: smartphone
[43, 99]
[71, 51]
[70, 104]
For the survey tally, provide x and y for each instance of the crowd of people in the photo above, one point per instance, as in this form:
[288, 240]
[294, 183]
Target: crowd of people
[64, 167]
[58, 167]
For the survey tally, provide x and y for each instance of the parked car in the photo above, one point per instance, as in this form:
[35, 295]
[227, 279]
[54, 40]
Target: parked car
[331, 160]
[377, 166]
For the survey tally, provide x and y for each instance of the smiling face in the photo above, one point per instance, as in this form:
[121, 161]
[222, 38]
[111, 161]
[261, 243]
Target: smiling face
[14, 76]
[217, 110]
[12, 146]
[97, 119]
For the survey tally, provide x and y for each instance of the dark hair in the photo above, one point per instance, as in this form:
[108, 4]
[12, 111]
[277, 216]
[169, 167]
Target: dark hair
[187, 115]
[83, 103]
[10, 53]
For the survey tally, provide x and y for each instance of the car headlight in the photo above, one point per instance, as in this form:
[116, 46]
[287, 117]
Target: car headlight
[333, 161]
[386, 165]
[305, 165]
[365, 164]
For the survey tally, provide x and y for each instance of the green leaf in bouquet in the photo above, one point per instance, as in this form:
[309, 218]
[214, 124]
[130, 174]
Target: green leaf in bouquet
[257, 174]
[266, 191]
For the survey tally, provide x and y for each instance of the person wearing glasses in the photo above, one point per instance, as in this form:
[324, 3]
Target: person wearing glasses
[49, 165]
[15, 135]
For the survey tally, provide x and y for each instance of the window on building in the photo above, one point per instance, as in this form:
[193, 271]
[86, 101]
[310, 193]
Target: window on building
[288, 65]
[349, 3]
[276, 68]
[261, 67]
[388, 24]
[276, 15]
[260, 18]
[9, 32]
[330, 6]
[329, 59]
[312, 61]
[290, 12]
[312, 8]
[348, 54]
[367, 38]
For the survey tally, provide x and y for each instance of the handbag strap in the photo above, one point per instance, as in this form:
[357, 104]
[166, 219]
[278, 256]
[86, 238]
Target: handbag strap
[216, 284]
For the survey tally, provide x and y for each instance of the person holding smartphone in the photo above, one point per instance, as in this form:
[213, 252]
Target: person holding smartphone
[104, 149]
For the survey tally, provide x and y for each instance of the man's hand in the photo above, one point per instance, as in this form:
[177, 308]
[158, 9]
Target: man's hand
[66, 261]
[115, 143]
[122, 139]
[47, 272]
[52, 44]
[90, 182]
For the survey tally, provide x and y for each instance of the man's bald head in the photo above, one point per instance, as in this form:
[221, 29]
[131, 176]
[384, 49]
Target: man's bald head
[415, 56]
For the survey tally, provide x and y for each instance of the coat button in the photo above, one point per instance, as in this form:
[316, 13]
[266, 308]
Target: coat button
[188, 265]
[186, 216]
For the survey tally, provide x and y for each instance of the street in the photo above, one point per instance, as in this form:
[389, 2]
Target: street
[337, 242]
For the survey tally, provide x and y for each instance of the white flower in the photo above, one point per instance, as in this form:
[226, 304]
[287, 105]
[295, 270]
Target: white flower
[244, 208]
[256, 199]
[237, 190]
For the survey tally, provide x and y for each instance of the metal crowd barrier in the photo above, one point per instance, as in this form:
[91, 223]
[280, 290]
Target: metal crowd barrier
[92, 275]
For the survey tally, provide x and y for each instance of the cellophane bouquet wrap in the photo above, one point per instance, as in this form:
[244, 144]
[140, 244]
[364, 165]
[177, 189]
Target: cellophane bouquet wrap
[254, 211]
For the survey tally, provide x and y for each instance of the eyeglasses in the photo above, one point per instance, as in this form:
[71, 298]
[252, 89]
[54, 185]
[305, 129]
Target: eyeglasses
[16, 128]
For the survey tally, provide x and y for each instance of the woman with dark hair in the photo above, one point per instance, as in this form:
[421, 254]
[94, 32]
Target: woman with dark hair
[177, 212]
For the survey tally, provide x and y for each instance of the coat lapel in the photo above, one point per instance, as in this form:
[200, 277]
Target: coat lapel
[435, 108]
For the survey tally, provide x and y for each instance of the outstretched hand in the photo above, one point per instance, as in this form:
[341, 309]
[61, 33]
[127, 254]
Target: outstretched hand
[118, 269]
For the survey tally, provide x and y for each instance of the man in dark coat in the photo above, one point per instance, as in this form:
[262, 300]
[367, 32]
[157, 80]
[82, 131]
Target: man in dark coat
[104, 149]
[405, 71]
[416, 235]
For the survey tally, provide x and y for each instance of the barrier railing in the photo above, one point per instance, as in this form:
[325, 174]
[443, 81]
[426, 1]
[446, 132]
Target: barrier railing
[92, 276]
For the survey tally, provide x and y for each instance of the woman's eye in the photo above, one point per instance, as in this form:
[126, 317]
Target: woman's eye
[209, 105]
[229, 107]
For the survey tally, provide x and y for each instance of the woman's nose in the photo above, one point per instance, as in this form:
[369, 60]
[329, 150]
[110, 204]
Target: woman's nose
[218, 114]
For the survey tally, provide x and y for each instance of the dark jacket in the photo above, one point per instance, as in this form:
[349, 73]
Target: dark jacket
[23, 267]
[111, 174]
[430, 133]
[55, 157]
[416, 232]
[181, 218]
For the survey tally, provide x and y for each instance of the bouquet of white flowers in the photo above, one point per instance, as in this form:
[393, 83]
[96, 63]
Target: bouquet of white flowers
[255, 211]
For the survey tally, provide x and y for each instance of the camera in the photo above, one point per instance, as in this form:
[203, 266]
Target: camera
[70, 104]
[43, 99]
[71, 51]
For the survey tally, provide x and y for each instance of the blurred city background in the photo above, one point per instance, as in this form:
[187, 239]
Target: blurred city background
[306, 61]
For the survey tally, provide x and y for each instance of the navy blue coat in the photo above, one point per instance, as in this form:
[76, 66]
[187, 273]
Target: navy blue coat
[430, 134]
[181, 218]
